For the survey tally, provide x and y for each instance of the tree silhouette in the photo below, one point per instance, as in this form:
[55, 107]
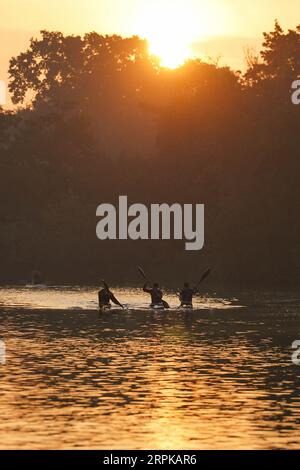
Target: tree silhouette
[106, 120]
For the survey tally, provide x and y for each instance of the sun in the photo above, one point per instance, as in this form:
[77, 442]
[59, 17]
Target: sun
[170, 28]
[171, 51]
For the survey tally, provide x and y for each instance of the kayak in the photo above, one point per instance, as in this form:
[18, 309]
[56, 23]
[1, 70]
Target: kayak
[104, 308]
[36, 286]
[157, 307]
[111, 309]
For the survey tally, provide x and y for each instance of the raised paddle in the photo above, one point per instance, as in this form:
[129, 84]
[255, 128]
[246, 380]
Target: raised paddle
[204, 275]
[142, 273]
[105, 285]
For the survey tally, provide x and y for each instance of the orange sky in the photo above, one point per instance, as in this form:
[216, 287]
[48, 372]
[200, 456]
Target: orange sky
[215, 28]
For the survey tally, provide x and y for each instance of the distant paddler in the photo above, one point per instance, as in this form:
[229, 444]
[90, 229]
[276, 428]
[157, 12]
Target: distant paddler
[36, 278]
[37, 281]
[105, 297]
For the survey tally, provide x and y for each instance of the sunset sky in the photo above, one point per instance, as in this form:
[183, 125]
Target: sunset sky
[176, 28]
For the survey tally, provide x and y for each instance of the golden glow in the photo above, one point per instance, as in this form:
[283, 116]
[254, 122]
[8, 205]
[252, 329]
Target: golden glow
[171, 53]
[170, 29]
[186, 21]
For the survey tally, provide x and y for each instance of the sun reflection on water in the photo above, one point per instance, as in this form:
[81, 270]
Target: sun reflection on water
[207, 379]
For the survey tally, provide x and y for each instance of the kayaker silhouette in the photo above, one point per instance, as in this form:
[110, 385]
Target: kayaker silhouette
[156, 295]
[186, 295]
[105, 296]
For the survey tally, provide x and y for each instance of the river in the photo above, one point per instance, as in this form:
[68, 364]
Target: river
[218, 377]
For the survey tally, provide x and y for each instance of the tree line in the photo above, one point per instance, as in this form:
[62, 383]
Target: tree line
[97, 117]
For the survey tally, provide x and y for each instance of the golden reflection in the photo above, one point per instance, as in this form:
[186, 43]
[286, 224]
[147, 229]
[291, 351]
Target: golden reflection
[205, 380]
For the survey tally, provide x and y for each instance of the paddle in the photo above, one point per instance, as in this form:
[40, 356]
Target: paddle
[105, 285]
[204, 275]
[143, 274]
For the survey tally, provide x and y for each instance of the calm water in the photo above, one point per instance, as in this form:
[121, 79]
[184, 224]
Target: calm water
[218, 377]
